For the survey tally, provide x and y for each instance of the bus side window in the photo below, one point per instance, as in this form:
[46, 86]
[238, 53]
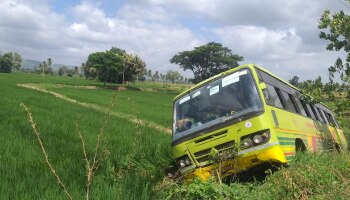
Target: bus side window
[330, 119]
[288, 102]
[273, 97]
[335, 122]
[314, 111]
[321, 115]
[305, 108]
[296, 108]
[310, 111]
[301, 107]
[279, 94]
[324, 116]
[318, 114]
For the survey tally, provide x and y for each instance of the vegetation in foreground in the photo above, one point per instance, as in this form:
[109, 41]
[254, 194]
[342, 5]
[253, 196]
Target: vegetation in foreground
[310, 176]
[133, 156]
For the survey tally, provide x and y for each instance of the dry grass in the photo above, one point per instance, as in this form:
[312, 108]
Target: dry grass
[52, 169]
[91, 166]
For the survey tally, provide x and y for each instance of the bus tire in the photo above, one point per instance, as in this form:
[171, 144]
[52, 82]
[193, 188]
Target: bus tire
[299, 146]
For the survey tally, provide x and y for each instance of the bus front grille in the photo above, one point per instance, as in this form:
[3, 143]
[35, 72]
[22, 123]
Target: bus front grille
[204, 155]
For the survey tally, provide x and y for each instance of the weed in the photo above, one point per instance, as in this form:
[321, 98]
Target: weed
[52, 169]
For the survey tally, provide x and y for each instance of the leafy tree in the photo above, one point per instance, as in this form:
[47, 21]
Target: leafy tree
[10, 61]
[207, 60]
[335, 28]
[49, 62]
[294, 81]
[118, 51]
[113, 65]
[173, 76]
[135, 67]
[92, 72]
[107, 64]
[62, 70]
[6, 63]
[313, 88]
[76, 70]
[155, 76]
[16, 61]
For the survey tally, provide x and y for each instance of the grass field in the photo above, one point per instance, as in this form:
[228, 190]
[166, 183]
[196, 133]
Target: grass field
[135, 147]
[24, 174]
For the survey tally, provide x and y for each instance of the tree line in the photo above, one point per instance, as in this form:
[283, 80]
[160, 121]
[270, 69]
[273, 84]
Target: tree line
[335, 29]
[10, 61]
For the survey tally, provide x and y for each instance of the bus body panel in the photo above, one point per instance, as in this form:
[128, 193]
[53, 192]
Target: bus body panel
[286, 130]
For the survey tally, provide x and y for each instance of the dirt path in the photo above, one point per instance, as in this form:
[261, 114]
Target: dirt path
[130, 118]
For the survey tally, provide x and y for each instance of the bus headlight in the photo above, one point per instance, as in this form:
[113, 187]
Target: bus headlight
[255, 139]
[187, 161]
[183, 161]
[247, 143]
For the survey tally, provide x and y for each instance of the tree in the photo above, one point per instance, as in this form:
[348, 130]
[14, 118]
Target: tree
[113, 65]
[16, 61]
[207, 60]
[108, 65]
[294, 81]
[6, 63]
[10, 61]
[76, 70]
[173, 76]
[43, 67]
[49, 62]
[134, 67]
[155, 76]
[62, 70]
[335, 28]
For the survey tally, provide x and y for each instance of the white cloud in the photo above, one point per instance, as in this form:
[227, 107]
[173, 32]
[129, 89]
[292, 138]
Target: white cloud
[271, 33]
[260, 41]
[150, 33]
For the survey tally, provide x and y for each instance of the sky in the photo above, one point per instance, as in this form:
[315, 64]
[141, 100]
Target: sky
[281, 36]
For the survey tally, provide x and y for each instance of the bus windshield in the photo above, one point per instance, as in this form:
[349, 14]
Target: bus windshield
[228, 97]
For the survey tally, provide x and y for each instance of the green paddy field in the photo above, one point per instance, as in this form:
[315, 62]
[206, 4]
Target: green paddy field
[134, 151]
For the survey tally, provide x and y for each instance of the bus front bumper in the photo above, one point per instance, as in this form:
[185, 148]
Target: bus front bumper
[269, 153]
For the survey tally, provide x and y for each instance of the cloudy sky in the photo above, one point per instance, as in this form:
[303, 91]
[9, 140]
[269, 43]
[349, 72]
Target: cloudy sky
[281, 36]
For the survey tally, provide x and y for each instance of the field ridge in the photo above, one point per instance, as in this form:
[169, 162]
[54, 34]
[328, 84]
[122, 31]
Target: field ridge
[130, 118]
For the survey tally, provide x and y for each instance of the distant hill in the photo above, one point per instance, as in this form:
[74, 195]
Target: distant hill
[30, 64]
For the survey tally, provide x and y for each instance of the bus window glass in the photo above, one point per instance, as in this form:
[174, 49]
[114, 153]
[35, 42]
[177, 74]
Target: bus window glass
[279, 94]
[321, 115]
[329, 118]
[289, 104]
[229, 97]
[305, 108]
[324, 116]
[310, 112]
[296, 108]
[301, 107]
[314, 112]
[273, 97]
[335, 122]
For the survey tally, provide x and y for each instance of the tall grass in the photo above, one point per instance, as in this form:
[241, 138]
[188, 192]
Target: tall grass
[138, 154]
[310, 176]
[24, 174]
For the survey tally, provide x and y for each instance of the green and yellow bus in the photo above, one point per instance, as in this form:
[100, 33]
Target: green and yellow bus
[248, 116]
